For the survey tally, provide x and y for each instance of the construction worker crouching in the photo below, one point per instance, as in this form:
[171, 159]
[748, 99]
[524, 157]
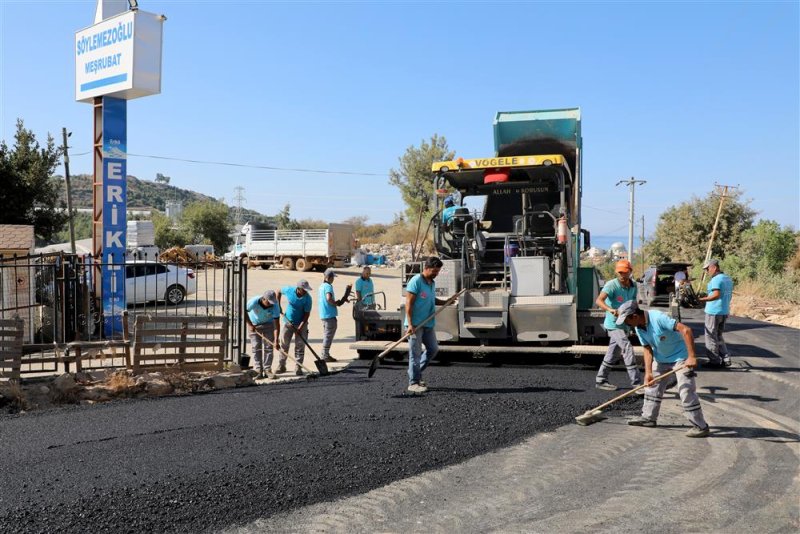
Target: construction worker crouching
[295, 322]
[668, 345]
[614, 294]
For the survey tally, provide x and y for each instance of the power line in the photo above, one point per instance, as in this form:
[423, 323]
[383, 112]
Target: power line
[246, 165]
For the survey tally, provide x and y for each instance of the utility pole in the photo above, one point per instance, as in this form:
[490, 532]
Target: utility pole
[716, 222]
[70, 220]
[641, 245]
[632, 186]
[239, 199]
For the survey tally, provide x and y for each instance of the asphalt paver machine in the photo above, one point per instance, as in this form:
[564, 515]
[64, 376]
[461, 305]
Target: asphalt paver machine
[513, 240]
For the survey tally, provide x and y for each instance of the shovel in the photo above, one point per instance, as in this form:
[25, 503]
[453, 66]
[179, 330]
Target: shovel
[277, 347]
[377, 359]
[596, 414]
[322, 365]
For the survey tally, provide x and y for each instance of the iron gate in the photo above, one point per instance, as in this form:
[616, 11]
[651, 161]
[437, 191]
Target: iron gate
[54, 295]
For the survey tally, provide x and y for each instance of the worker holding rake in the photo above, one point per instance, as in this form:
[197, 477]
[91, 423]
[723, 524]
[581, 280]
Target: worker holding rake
[668, 345]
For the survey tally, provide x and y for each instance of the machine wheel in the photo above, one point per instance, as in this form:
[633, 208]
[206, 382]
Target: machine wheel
[288, 263]
[303, 265]
[264, 266]
[174, 295]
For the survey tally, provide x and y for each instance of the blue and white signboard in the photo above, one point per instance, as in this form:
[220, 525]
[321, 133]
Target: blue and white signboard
[119, 57]
[114, 211]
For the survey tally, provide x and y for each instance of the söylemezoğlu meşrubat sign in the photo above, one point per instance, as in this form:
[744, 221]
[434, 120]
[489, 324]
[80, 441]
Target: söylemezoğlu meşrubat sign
[119, 57]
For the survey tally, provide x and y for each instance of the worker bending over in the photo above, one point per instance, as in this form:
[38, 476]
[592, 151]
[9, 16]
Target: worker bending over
[668, 345]
[295, 322]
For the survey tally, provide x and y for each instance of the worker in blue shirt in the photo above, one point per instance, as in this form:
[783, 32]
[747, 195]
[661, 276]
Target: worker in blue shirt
[449, 209]
[718, 306]
[262, 317]
[614, 294]
[421, 304]
[365, 289]
[328, 312]
[668, 345]
[295, 322]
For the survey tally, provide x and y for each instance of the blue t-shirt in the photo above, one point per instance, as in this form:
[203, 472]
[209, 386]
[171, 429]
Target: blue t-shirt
[617, 296]
[425, 303]
[298, 306]
[326, 310]
[259, 314]
[448, 213]
[366, 287]
[721, 306]
[667, 344]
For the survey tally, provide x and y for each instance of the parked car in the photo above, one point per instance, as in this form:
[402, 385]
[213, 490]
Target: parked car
[153, 281]
[658, 283]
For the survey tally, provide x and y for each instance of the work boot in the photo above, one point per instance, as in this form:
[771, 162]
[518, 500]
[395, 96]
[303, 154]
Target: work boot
[271, 375]
[416, 389]
[713, 364]
[299, 372]
[697, 432]
[605, 386]
[726, 361]
[260, 373]
[642, 421]
[329, 359]
[282, 367]
[423, 384]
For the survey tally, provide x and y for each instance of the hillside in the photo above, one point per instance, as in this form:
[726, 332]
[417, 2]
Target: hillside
[145, 194]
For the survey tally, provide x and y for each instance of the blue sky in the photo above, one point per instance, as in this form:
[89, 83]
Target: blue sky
[682, 95]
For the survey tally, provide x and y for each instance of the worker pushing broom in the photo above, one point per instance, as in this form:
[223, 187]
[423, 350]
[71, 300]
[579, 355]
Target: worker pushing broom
[668, 349]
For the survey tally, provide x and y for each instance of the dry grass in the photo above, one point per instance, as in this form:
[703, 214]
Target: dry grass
[12, 391]
[119, 382]
[753, 298]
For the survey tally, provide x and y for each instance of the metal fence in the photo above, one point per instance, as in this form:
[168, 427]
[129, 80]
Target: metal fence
[56, 299]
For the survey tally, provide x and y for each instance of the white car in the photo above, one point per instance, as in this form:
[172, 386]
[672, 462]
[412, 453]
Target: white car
[151, 281]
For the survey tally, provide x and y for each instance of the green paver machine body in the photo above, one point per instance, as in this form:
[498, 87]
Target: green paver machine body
[518, 255]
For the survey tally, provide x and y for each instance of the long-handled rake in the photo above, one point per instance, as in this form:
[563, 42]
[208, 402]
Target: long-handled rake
[594, 415]
[373, 366]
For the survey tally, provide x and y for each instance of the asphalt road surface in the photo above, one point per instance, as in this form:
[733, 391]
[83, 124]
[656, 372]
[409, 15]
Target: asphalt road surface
[488, 449]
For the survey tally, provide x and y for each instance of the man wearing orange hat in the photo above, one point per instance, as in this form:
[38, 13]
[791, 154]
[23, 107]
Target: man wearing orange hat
[614, 294]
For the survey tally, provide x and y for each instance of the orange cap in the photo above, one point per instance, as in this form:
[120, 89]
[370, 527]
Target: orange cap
[623, 265]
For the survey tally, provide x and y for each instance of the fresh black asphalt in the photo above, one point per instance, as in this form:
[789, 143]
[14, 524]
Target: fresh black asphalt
[205, 462]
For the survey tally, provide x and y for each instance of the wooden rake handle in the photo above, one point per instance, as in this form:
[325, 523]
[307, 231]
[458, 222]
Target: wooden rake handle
[279, 349]
[430, 317]
[637, 388]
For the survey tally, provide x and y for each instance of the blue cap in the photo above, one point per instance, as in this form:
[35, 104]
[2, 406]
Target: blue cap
[626, 310]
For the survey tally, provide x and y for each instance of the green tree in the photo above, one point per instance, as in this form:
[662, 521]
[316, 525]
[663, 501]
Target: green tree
[208, 222]
[683, 231]
[166, 233]
[414, 178]
[29, 193]
[764, 249]
[284, 219]
[83, 228]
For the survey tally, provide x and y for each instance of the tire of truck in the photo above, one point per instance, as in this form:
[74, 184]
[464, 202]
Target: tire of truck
[303, 264]
[288, 264]
[264, 266]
